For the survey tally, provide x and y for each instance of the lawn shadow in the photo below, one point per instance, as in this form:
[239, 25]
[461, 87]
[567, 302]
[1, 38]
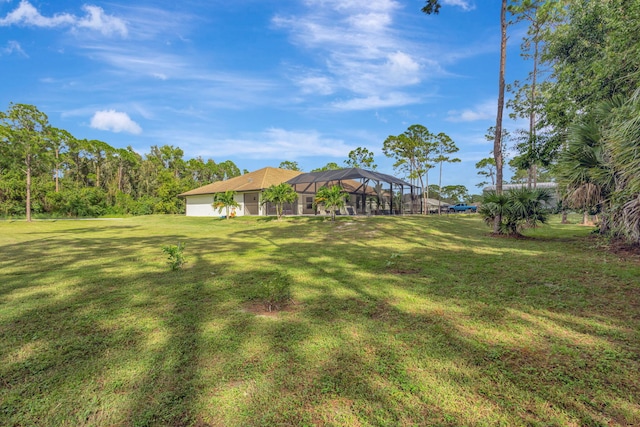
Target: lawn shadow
[416, 339]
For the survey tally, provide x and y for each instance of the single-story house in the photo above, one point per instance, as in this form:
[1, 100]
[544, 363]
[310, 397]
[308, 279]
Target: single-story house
[367, 193]
[248, 187]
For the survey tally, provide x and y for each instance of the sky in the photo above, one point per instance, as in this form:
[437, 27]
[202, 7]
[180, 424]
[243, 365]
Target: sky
[259, 82]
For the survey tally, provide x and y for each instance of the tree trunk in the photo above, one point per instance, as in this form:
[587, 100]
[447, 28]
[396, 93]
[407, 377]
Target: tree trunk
[533, 169]
[423, 197]
[57, 172]
[427, 188]
[28, 201]
[440, 190]
[564, 217]
[120, 176]
[497, 144]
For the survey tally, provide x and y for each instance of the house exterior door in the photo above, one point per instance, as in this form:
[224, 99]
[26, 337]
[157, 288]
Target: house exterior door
[252, 203]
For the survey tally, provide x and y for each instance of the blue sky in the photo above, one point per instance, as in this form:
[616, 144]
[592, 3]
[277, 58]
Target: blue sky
[261, 81]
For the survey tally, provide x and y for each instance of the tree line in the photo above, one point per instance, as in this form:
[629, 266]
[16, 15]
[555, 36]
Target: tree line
[46, 170]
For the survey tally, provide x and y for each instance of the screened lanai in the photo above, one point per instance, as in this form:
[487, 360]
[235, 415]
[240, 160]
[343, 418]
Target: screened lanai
[370, 192]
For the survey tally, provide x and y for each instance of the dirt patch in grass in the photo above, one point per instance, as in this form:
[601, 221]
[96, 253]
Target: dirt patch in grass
[260, 309]
[510, 236]
[402, 271]
[621, 248]
[625, 250]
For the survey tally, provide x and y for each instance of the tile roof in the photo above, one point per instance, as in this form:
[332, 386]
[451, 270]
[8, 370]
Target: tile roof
[253, 181]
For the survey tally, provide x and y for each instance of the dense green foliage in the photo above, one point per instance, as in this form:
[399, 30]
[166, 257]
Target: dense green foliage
[595, 53]
[360, 158]
[599, 168]
[47, 171]
[403, 321]
[289, 165]
[328, 167]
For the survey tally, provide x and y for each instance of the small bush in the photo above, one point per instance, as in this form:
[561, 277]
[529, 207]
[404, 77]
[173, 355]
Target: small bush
[518, 209]
[275, 292]
[175, 255]
[393, 260]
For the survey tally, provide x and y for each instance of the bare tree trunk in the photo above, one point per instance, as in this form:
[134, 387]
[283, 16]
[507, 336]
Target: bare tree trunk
[120, 174]
[440, 190]
[28, 207]
[533, 169]
[427, 188]
[497, 144]
[57, 171]
[423, 198]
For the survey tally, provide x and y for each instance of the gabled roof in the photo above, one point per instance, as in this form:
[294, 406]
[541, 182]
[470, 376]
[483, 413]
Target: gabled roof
[253, 181]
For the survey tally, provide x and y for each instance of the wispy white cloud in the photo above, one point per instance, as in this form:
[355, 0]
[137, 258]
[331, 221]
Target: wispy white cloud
[137, 66]
[140, 61]
[114, 121]
[362, 52]
[11, 47]
[277, 143]
[483, 111]
[463, 4]
[315, 83]
[155, 23]
[376, 101]
[94, 19]
[272, 143]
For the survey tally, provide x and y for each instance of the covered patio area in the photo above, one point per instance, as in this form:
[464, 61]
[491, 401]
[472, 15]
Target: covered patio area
[371, 192]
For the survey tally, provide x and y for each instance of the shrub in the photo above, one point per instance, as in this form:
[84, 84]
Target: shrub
[175, 255]
[81, 202]
[275, 292]
[517, 208]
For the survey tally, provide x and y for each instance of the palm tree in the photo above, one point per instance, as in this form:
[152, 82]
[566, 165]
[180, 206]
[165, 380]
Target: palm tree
[331, 198]
[623, 136]
[279, 195]
[225, 200]
[600, 167]
[583, 168]
[517, 209]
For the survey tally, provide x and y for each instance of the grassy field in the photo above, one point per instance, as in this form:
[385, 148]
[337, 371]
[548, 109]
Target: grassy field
[394, 322]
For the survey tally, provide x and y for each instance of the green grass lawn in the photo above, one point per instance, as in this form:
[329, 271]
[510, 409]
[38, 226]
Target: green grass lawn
[394, 322]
